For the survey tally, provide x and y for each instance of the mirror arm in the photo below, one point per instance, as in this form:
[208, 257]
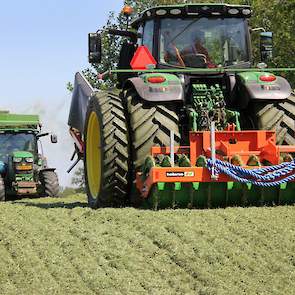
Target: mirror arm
[132, 35]
[42, 135]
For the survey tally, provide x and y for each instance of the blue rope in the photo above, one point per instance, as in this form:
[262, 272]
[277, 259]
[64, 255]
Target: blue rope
[266, 177]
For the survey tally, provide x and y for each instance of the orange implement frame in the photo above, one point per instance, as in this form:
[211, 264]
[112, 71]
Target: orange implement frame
[229, 144]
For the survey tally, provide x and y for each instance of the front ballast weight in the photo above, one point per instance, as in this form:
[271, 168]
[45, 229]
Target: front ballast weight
[219, 169]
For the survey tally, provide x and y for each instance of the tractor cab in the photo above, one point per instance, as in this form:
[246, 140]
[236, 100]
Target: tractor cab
[196, 35]
[187, 36]
[12, 142]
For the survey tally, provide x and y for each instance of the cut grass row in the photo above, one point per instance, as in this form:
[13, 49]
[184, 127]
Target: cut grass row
[60, 246]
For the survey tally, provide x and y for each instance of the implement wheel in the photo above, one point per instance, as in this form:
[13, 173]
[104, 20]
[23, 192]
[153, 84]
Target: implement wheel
[149, 125]
[106, 156]
[268, 115]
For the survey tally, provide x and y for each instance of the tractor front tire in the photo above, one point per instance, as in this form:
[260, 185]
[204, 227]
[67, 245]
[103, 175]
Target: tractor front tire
[276, 115]
[49, 182]
[106, 155]
[2, 190]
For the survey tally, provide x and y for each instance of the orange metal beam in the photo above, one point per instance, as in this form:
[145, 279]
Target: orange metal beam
[286, 149]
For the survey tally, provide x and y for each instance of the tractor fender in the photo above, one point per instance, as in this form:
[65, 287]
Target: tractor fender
[80, 98]
[252, 88]
[169, 90]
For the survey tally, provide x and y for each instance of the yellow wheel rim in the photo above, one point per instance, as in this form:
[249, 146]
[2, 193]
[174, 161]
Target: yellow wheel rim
[93, 155]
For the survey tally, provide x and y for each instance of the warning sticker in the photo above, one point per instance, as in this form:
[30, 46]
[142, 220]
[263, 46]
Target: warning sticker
[180, 174]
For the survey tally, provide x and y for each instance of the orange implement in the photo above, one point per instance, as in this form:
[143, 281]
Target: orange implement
[229, 144]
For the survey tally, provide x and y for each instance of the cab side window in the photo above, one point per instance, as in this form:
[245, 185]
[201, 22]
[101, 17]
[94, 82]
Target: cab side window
[148, 35]
[140, 32]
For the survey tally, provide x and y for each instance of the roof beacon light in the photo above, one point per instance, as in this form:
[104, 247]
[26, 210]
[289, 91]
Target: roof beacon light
[127, 10]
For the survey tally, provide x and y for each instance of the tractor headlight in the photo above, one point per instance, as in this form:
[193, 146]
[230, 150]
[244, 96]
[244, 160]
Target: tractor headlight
[29, 160]
[17, 160]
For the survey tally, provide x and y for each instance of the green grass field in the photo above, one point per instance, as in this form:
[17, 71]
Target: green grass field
[59, 246]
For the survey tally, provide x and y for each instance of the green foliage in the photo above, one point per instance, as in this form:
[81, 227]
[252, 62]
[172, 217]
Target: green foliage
[70, 87]
[278, 16]
[78, 180]
[110, 51]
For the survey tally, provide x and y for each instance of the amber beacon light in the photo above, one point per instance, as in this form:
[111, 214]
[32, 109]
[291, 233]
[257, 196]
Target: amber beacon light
[127, 10]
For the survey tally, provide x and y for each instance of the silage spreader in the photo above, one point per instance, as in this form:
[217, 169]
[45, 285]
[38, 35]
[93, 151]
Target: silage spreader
[193, 125]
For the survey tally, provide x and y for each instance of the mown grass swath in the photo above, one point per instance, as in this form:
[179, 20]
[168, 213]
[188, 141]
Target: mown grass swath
[54, 246]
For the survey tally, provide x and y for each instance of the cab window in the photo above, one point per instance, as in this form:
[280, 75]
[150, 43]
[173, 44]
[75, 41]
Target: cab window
[148, 35]
[140, 32]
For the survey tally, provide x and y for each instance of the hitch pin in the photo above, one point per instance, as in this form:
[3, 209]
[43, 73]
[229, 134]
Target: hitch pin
[172, 147]
[213, 150]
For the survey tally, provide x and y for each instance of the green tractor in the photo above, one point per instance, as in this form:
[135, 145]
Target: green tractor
[186, 71]
[23, 169]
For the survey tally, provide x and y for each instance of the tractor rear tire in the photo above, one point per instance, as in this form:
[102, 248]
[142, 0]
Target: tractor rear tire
[278, 116]
[106, 155]
[150, 125]
[49, 182]
[2, 190]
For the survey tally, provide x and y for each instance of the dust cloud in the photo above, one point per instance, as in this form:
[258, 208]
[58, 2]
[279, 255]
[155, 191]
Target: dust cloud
[54, 117]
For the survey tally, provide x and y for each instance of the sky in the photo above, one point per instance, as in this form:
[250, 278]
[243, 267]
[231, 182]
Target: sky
[43, 44]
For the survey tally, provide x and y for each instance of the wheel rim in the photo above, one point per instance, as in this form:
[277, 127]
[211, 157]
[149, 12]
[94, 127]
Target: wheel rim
[93, 155]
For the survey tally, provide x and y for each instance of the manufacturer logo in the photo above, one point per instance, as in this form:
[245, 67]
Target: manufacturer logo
[175, 174]
[180, 174]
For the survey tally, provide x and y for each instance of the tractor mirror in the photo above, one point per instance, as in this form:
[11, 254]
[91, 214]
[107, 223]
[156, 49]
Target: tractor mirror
[94, 48]
[53, 138]
[266, 46]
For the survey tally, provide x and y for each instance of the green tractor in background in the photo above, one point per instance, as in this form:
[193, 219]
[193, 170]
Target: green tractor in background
[184, 70]
[23, 168]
